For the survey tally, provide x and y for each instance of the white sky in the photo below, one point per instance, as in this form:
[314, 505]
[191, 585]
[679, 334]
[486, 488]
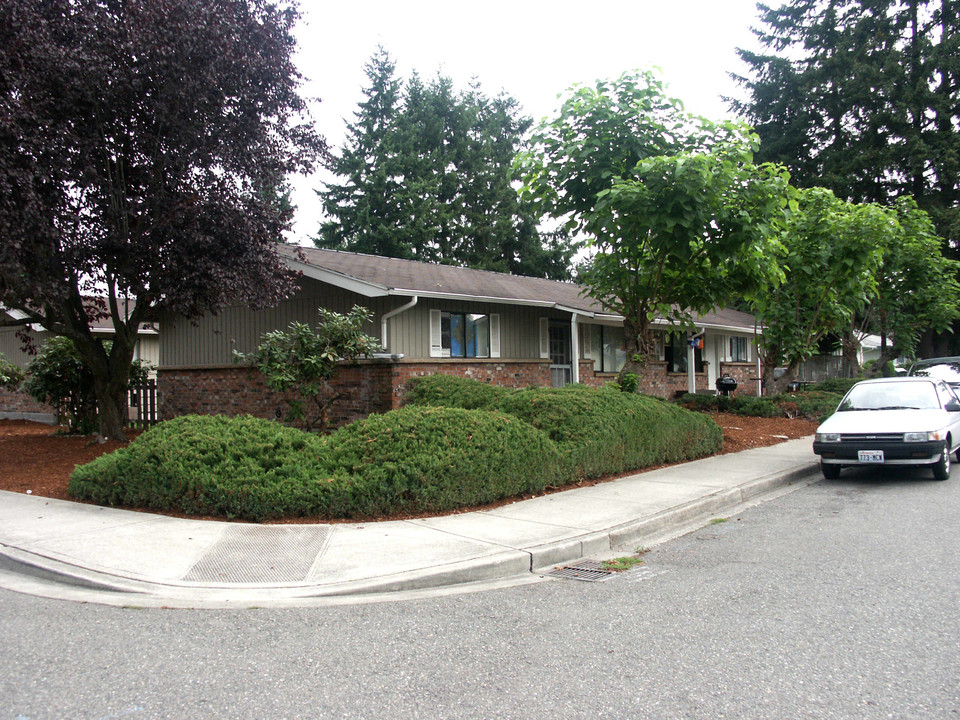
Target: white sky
[533, 50]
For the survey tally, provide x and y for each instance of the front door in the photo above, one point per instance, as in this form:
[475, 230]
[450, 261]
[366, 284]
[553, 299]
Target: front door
[560, 367]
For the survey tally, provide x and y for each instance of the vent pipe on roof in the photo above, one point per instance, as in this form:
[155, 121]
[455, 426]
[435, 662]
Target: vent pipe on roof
[392, 313]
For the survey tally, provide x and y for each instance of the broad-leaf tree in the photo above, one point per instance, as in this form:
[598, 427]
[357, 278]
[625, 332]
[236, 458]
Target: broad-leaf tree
[834, 251]
[680, 218]
[917, 290]
[143, 148]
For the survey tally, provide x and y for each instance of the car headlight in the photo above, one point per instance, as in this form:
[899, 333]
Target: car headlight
[922, 436]
[827, 437]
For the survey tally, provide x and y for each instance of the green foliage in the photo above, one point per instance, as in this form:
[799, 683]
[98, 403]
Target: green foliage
[303, 361]
[814, 404]
[441, 390]
[833, 253]
[416, 459]
[917, 288]
[11, 376]
[426, 174]
[681, 219]
[432, 459]
[239, 467]
[59, 377]
[835, 385]
[421, 458]
[861, 97]
[605, 431]
[747, 405]
[629, 383]
[811, 404]
[598, 432]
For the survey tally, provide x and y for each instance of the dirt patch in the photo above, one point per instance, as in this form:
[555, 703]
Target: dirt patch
[37, 459]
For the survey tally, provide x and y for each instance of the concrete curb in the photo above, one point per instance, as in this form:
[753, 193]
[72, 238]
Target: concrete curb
[506, 564]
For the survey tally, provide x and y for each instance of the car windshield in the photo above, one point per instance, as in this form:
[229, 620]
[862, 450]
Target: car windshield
[891, 396]
[947, 370]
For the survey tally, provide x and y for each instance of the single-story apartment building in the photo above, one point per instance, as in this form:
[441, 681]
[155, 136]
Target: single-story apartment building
[494, 327]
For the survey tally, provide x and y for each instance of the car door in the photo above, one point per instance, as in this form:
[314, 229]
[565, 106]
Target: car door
[947, 395]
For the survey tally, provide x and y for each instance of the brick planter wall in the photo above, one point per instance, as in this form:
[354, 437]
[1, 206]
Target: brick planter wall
[744, 373]
[15, 404]
[379, 385]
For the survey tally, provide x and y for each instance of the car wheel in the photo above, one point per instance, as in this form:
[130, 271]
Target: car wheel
[956, 454]
[941, 468]
[830, 472]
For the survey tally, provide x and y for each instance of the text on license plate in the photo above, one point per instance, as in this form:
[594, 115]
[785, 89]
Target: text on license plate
[870, 456]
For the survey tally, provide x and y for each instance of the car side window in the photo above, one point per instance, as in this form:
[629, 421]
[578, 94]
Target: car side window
[946, 394]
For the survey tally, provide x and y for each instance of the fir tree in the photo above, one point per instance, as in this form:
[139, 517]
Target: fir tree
[862, 97]
[429, 176]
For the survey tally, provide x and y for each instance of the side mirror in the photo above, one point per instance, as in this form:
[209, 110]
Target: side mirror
[952, 406]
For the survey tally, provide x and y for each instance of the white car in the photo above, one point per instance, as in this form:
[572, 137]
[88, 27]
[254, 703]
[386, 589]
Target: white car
[892, 421]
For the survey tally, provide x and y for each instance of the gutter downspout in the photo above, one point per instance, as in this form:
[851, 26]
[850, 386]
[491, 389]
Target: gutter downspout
[392, 313]
[574, 349]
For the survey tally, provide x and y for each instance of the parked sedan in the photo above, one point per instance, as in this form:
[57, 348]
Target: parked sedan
[942, 368]
[892, 421]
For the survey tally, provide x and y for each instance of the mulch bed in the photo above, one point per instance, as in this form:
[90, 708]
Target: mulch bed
[38, 459]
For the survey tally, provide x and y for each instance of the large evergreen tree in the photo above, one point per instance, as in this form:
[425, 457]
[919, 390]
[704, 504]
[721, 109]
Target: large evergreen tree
[426, 174]
[862, 97]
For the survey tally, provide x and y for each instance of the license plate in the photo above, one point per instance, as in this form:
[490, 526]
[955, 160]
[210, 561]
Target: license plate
[870, 456]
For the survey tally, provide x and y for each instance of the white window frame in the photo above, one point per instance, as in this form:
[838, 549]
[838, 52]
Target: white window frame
[436, 335]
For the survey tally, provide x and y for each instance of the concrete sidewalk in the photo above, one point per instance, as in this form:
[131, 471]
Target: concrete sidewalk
[125, 557]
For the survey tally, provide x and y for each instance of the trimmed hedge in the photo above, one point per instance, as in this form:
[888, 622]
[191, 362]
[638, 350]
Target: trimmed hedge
[810, 404]
[748, 405]
[598, 431]
[440, 390]
[406, 461]
[240, 467]
[420, 459]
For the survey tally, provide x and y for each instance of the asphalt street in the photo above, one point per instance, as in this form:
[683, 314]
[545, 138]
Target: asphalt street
[838, 600]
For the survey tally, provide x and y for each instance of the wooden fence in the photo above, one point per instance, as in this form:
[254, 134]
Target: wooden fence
[142, 403]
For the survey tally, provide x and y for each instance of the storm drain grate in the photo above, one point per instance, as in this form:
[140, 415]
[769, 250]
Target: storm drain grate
[587, 570]
[260, 554]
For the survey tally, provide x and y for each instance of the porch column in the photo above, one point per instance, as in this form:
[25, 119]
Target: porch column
[691, 365]
[574, 350]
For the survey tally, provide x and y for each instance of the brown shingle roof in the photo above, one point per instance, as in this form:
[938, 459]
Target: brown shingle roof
[409, 277]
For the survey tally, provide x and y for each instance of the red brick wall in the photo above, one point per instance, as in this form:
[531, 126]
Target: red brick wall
[744, 373]
[19, 402]
[379, 385]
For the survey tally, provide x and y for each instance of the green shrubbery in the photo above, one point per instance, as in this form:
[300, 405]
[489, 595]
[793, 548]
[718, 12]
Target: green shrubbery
[598, 432]
[451, 391]
[811, 404]
[406, 461]
[421, 458]
[240, 467]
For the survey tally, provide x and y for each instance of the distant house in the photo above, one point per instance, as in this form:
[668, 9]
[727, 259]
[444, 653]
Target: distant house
[494, 327]
[19, 405]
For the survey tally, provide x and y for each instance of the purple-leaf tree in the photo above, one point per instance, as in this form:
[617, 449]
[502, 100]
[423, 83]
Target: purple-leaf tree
[143, 150]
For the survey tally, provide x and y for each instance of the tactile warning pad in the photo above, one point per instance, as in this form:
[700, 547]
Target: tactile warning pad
[261, 554]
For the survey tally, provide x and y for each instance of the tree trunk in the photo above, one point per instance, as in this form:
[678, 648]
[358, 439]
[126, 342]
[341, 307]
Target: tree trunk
[851, 350]
[111, 376]
[781, 384]
[639, 346]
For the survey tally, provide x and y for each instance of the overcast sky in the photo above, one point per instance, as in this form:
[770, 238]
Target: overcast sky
[533, 50]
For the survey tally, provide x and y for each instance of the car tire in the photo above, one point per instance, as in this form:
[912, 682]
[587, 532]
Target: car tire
[830, 472]
[941, 468]
[956, 454]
